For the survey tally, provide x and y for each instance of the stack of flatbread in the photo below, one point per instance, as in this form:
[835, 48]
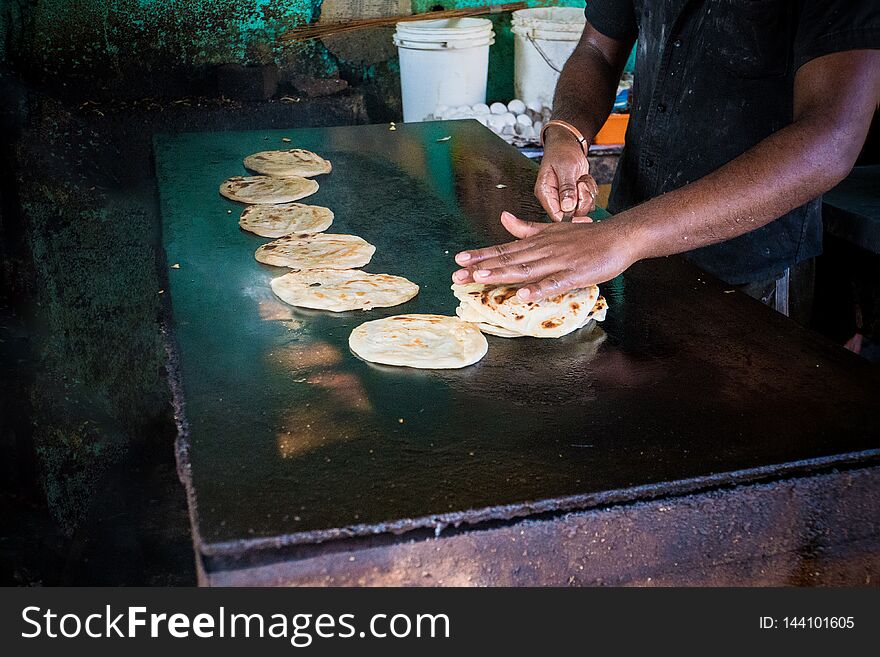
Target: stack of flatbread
[497, 310]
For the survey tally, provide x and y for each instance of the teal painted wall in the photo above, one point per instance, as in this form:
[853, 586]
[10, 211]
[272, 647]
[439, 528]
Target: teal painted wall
[63, 36]
[107, 37]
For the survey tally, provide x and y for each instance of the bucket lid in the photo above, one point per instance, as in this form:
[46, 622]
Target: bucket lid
[442, 34]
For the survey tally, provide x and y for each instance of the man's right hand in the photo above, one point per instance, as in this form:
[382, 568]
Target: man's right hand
[564, 182]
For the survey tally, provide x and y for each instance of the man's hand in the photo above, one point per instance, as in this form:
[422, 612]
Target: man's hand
[564, 182]
[549, 259]
[584, 98]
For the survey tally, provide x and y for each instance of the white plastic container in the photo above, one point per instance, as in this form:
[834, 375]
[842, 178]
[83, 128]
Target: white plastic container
[544, 39]
[442, 62]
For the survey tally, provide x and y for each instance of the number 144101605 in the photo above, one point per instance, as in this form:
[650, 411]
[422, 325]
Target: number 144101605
[808, 623]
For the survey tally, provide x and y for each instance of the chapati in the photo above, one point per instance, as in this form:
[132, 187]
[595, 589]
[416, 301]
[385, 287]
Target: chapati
[266, 189]
[342, 289]
[499, 306]
[469, 315]
[319, 251]
[290, 162]
[285, 219]
[600, 309]
[421, 341]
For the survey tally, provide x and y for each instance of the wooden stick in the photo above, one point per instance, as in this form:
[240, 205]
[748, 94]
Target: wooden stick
[320, 30]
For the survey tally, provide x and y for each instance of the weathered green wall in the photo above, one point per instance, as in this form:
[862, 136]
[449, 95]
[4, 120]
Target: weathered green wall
[84, 34]
[107, 37]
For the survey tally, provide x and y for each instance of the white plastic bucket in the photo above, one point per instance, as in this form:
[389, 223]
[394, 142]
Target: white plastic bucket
[442, 62]
[544, 39]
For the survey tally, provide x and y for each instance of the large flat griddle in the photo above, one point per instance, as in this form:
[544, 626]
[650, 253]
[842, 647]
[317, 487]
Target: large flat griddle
[288, 439]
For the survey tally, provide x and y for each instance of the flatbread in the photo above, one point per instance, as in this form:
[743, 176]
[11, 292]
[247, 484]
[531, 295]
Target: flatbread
[498, 305]
[285, 219]
[290, 162]
[421, 341]
[600, 309]
[320, 251]
[468, 314]
[342, 289]
[265, 189]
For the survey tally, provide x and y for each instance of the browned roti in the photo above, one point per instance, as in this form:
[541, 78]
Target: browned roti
[290, 162]
[320, 251]
[285, 219]
[421, 341]
[554, 317]
[499, 306]
[266, 189]
[342, 289]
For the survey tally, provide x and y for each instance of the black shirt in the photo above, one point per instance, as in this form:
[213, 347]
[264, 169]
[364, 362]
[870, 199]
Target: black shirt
[712, 79]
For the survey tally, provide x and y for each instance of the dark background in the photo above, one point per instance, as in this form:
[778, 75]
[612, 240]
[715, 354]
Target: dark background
[89, 491]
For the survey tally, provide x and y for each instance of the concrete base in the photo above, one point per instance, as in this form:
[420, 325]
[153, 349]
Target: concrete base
[817, 530]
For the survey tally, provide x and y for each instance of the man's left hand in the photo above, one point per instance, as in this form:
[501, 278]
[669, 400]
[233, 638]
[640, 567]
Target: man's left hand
[549, 259]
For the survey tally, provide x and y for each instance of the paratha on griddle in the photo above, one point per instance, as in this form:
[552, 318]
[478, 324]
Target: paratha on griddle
[342, 289]
[319, 251]
[471, 316]
[498, 305]
[285, 219]
[420, 341]
[290, 162]
[266, 189]
[468, 314]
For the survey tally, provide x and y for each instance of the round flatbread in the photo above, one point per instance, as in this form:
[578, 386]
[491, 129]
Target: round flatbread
[599, 310]
[290, 162]
[285, 219]
[265, 189]
[421, 341]
[342, 289]
[320, 251]
[469, 315]
[499, 305]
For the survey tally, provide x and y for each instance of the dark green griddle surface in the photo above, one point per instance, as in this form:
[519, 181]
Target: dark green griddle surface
[289, 438]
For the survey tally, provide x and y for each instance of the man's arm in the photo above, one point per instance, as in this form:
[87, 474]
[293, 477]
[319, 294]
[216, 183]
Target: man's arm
[587, 86]
[835, 97]
[584, 97]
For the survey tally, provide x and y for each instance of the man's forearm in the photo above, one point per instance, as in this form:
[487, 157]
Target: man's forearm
[832, 114]
[785, 170]
[586, 89]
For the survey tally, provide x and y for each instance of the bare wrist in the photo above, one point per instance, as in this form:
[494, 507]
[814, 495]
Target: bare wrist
[637, 236]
